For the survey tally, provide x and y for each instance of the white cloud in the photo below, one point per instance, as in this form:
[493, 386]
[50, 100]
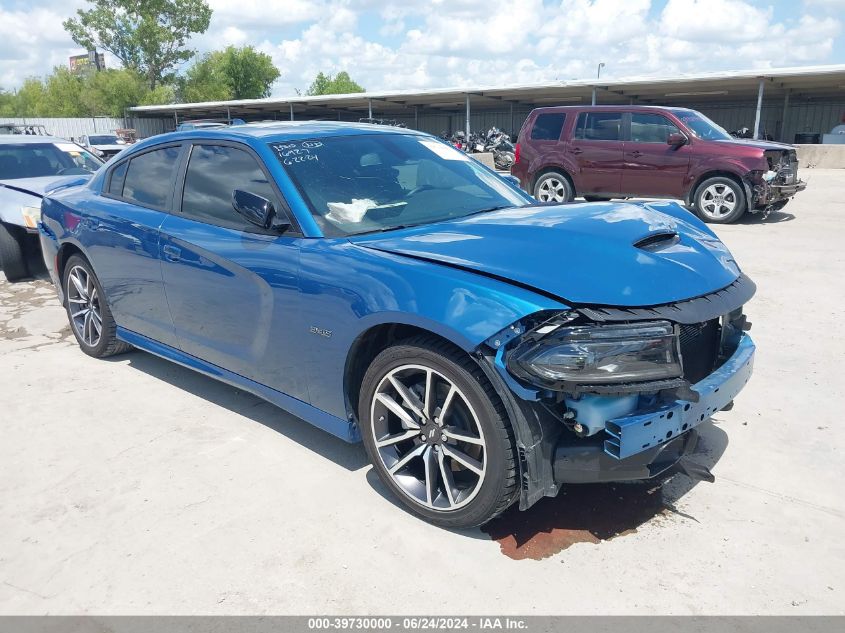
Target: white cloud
[31, 43]
[440, 43]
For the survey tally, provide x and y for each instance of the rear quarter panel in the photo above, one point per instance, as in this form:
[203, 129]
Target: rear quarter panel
[538, 156]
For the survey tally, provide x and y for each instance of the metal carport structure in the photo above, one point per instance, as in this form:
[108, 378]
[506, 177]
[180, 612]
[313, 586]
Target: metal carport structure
[778, 102]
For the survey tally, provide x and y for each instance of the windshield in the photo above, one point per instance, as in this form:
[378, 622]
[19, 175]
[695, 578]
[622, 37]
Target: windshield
[378, 182]
[104, 139]
[33, 160]
[701, 126]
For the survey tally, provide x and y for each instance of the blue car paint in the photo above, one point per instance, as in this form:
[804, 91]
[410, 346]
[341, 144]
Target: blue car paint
[569, 259]
[640, 430]
[279, 316]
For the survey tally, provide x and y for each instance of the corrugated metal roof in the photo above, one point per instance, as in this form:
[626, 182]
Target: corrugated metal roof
[822, 80]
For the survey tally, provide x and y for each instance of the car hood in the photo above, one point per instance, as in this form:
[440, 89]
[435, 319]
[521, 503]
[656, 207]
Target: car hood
[763, 145]
[110, 148]
[39, 187]
[610, 254]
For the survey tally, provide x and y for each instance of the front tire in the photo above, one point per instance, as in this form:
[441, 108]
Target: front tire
[437, 434]
[719, 200]
[88, 311]
[554, 187]
[13, 253]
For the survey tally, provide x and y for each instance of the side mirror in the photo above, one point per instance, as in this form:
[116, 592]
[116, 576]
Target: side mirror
[260, 211]
[676, 139]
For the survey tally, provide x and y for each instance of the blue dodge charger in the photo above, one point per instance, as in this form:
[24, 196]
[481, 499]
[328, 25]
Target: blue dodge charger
[381, 285]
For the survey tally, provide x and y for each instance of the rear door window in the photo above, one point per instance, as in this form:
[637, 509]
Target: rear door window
[547, 127]
[214, 172]
[118, 175]
[599, 126]
[149, 177]
[651, 128]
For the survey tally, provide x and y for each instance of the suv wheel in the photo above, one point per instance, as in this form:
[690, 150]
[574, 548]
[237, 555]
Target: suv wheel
[553, 187]
[13, 253]
[719, 200]
[437, 434]
[88, 312]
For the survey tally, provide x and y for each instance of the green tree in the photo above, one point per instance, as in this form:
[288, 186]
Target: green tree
[341, 83]
[62, 95]
[29, 101]
[7, 103]
[162, 94]
[149, 36]
[110, 92]
[206, 80]
[233, 73]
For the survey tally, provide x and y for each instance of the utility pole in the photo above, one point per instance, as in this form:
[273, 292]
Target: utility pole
[598, 76]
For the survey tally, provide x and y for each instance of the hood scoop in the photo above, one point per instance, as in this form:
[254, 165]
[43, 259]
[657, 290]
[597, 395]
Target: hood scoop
[654, 242]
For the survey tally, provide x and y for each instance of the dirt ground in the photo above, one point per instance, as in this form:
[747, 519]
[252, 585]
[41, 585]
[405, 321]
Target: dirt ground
[134, 486]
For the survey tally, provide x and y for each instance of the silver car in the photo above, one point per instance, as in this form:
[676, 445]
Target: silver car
[30, 167]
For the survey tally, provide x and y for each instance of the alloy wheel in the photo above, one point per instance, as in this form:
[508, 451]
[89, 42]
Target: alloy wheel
[552, 190]
[718, 200]
[428, 438]
[84, 304]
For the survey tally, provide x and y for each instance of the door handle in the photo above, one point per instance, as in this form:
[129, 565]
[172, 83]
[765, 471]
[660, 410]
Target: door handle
[636, 153]
[171, 253]
[576, 150]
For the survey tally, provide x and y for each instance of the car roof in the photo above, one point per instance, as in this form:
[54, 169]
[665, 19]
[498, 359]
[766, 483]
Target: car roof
[623, 108]
[284, 130]
[19, 139]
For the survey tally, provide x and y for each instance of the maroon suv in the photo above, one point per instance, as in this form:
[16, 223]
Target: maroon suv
[603, 152]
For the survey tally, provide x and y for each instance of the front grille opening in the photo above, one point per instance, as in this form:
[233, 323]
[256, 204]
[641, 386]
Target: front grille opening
[700, 349]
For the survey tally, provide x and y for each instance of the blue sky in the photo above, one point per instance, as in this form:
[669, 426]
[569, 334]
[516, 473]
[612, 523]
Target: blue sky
[444, 43]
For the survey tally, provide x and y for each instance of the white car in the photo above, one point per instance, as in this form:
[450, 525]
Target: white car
[103, 145]
[30, 167]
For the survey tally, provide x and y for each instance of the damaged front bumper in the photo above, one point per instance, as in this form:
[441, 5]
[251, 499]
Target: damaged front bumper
[767, 194]
[638, 431]
[627, 434]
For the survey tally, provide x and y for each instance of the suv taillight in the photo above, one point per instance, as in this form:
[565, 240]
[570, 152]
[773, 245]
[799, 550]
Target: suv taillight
[516, 154]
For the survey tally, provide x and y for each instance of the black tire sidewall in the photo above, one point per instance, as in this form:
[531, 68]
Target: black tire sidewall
[107, 335]
[734, 215]
[570, 192]
[488, 499]
[13, 253]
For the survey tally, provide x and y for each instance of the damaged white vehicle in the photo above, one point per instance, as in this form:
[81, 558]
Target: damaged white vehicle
[30, 167]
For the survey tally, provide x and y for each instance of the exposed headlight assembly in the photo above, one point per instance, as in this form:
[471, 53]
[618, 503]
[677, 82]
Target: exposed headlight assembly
[31, 216]
[599, 355]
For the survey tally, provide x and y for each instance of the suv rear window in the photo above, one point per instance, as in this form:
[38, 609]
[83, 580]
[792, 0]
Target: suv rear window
[599, 126]
[547, 127]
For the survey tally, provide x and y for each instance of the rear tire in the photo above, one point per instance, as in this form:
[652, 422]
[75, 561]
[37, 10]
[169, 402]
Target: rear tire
[719, 200]
[463, 473]
[554, 187]
[88, 310]
[13, 253]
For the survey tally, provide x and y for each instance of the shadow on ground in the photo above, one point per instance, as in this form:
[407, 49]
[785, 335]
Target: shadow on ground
[774, 217]
[597, 512]
[350, 456]
[579, 514]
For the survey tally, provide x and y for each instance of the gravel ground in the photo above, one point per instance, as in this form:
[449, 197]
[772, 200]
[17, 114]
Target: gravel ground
[135, 486]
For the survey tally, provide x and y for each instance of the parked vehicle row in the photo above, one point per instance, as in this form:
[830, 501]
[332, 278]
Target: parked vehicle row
[378, 283]
[644, 151]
